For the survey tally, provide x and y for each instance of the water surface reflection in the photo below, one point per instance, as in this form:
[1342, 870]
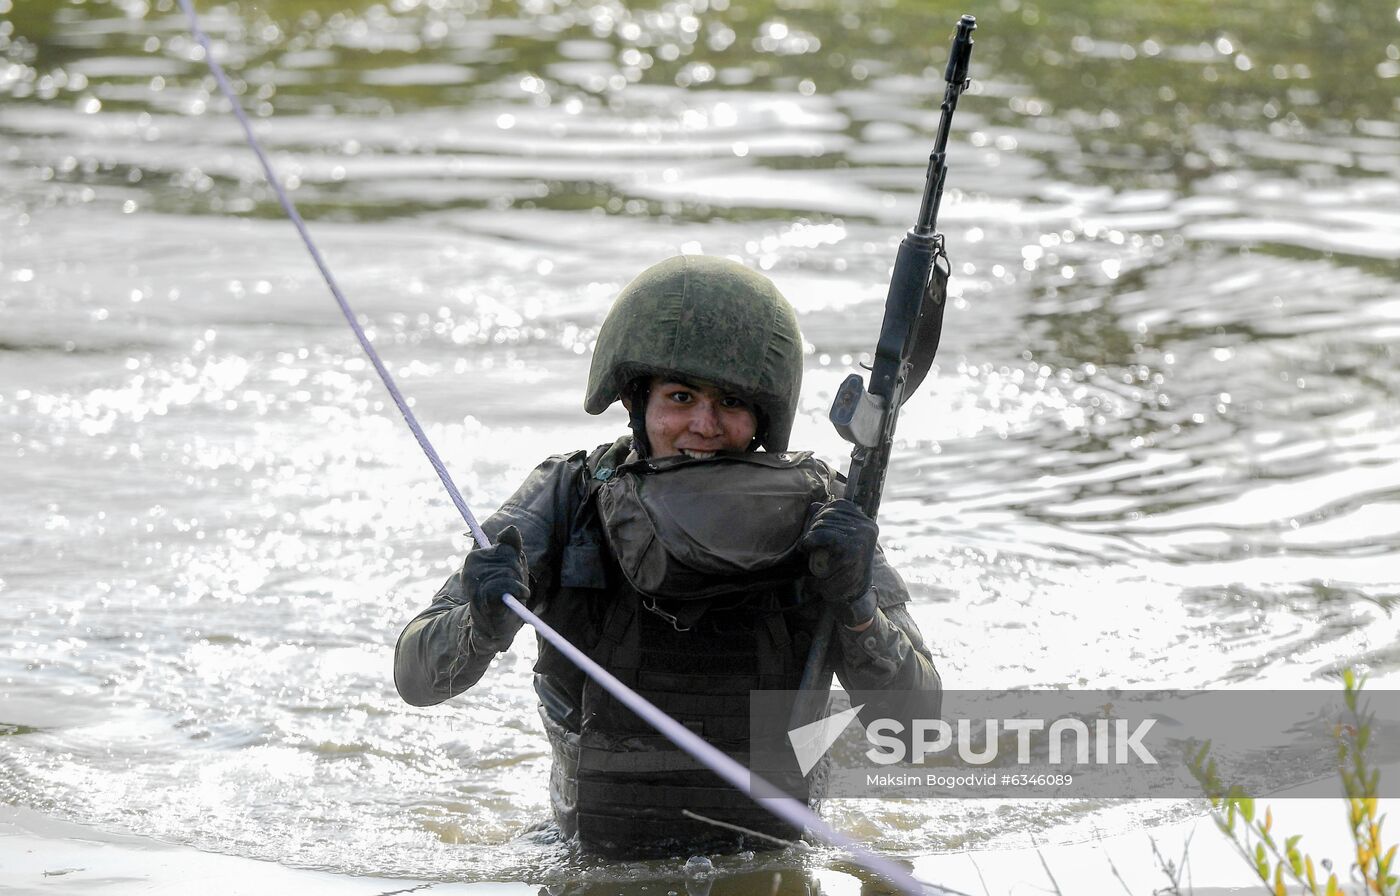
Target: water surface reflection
[1161, 446]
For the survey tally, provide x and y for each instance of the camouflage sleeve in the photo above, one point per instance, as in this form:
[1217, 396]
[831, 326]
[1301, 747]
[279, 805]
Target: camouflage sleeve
[891, 654]
[435, 657]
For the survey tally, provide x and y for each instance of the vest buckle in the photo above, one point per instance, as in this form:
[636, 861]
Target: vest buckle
[650, 604]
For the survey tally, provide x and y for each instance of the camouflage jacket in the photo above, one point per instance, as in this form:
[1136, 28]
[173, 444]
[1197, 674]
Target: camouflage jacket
[436, 657]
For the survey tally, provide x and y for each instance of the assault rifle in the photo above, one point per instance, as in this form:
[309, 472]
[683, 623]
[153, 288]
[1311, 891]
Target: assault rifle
[908, 341]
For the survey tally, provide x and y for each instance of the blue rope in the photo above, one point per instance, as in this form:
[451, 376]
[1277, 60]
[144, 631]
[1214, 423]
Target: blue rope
[786, 808]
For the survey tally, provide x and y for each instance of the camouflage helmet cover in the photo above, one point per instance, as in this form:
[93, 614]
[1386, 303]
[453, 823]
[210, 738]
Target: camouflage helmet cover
[707, 318]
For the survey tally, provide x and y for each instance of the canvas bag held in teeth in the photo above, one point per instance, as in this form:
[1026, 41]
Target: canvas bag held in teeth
[684, 529]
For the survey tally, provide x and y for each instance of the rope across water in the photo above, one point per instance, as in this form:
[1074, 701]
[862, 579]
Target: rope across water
[726, 767]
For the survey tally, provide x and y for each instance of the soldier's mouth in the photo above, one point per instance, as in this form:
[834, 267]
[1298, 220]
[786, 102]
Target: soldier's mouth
[698, 455]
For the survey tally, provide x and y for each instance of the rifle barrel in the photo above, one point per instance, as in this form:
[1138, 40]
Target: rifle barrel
[959, 57]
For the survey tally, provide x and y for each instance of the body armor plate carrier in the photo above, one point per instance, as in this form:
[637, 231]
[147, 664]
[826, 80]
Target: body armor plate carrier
[706, 609]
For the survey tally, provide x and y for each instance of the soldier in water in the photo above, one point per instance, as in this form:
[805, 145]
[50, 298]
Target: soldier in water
[677, 557]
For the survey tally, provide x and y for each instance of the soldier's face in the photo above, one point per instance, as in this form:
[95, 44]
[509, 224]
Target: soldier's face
[697, 419]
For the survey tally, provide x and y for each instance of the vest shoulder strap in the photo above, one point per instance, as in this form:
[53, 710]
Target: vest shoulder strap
[602, 463]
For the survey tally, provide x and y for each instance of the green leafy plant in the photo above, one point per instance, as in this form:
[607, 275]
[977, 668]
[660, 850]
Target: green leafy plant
[1281, 862]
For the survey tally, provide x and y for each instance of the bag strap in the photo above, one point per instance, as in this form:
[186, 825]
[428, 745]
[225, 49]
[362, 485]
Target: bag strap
[598, 468]
[617, 649]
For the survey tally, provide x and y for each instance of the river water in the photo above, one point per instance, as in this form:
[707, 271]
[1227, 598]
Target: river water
[1160, 448]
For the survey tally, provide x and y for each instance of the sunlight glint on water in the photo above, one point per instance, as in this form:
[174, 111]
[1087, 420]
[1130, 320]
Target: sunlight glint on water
[1160, 446]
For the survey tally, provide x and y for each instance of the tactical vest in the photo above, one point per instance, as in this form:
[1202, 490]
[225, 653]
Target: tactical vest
[617, 784]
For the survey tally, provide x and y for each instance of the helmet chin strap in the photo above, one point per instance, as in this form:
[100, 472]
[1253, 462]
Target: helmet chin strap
[760, 430]
[639, 390]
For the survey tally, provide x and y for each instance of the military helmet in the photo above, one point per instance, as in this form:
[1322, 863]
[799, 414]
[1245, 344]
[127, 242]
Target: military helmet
[707, 318]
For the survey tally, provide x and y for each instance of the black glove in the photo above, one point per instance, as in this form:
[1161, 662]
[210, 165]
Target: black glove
[840, 547]
[489, 574]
